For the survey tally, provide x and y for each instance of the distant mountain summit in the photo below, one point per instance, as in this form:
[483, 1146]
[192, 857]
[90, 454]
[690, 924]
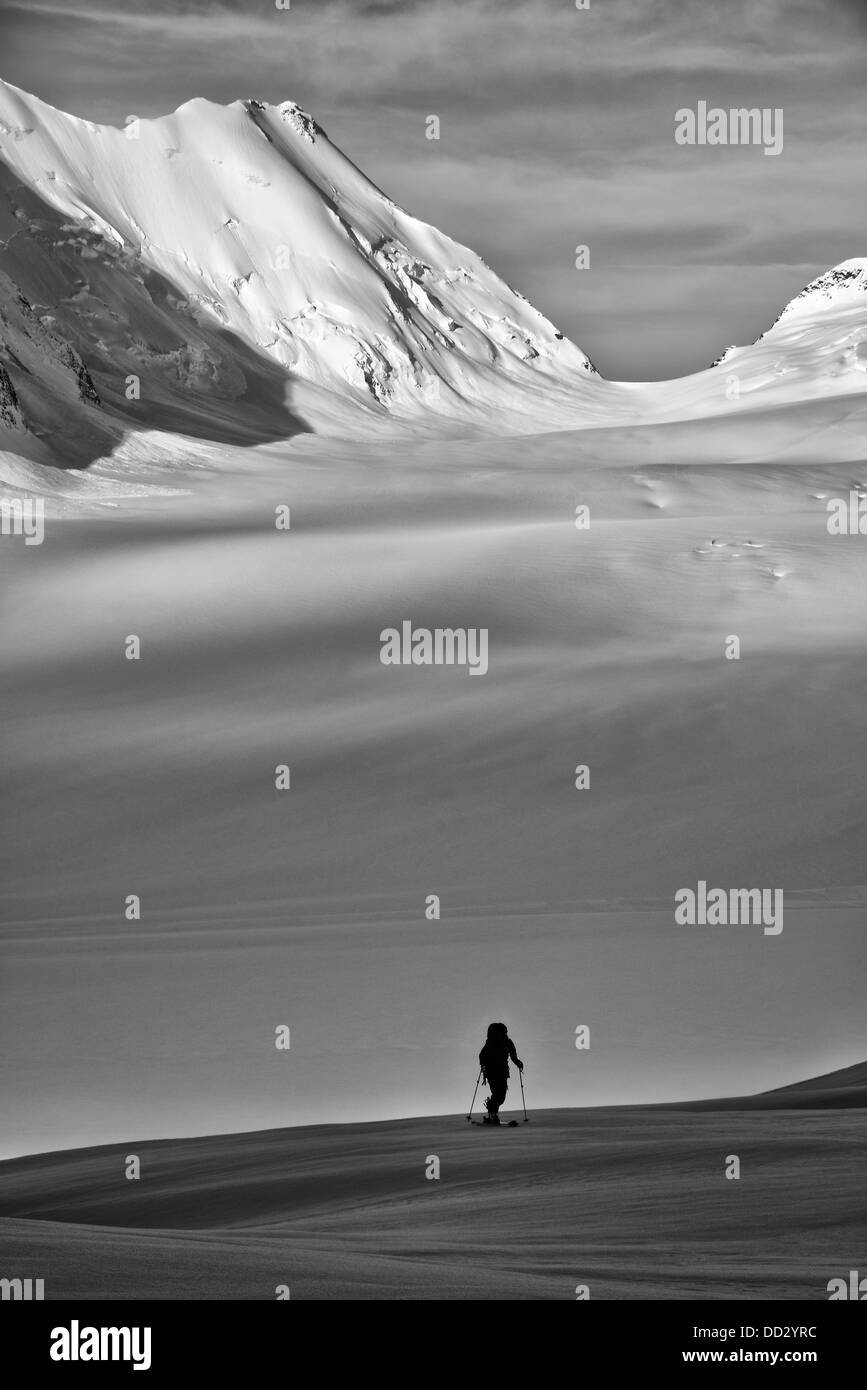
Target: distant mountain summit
[842, 287]
[818, 341]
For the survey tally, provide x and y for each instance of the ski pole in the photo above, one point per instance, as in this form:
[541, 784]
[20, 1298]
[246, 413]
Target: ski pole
[523, 1102]
[473, 1101]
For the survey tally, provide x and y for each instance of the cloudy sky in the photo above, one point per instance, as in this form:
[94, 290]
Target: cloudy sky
[557, 130]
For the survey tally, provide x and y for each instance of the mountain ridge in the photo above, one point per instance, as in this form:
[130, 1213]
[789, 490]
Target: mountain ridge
[271, 233]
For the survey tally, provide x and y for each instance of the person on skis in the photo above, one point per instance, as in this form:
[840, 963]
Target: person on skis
[494, 1060]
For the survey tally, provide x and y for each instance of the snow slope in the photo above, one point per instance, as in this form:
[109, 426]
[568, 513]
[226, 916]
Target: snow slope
[625, 1199]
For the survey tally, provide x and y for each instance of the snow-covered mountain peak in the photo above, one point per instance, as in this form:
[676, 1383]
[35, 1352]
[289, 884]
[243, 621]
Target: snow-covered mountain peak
[267, 231]
[843, 286]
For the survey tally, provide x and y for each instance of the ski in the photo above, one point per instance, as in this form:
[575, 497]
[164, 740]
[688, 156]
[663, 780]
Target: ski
[506, 1124]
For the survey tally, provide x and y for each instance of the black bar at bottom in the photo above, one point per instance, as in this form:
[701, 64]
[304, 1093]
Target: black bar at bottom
[255, 1339]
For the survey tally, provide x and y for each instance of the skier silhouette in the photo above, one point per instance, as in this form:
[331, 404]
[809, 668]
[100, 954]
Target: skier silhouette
[494, 1061]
